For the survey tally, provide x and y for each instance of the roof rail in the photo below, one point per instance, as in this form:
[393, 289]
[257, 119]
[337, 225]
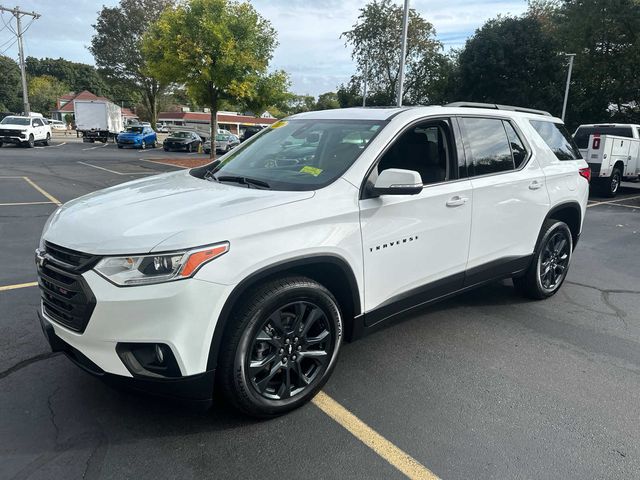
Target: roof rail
[496, 106]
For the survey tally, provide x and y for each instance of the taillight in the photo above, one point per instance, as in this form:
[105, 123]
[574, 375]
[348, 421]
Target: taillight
[596, 141]
[585, 173]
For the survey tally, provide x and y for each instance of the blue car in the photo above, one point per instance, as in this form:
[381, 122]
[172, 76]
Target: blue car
[137, 136]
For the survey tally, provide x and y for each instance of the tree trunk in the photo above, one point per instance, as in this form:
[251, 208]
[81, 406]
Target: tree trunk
[213, 106]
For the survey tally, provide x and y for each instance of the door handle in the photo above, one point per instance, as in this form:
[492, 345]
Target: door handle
[456, 201]
[535, 185]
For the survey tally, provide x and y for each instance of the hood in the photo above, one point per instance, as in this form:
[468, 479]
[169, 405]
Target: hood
[13, 126]
[136, 216]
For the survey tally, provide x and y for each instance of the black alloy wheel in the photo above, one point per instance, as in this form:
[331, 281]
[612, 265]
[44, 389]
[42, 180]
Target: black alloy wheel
[289, 350]
[614, 182]
[280, 347]
[554, 261]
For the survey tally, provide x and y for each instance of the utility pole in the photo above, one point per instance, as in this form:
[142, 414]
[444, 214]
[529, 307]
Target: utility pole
[16, 12]
[566, 90]
[403, 51]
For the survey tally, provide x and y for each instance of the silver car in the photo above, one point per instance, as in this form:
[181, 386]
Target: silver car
[225, 142]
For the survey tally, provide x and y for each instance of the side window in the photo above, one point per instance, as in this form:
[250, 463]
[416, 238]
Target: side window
[558, 139]
[426, 148]
[487, 145]
[35, 122]
[518, 149]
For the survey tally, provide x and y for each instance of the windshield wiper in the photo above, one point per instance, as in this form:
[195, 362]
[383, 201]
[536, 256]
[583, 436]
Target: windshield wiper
[242, 180]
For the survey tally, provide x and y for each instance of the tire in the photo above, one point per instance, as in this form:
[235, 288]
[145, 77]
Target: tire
[552, 255]
[1, 144]
[31, 142]
[153, 144]
[120, 146]
[47, 140]
[189, 148]
[143, 145]
[612, 185]
[262, 330]
[165, 149]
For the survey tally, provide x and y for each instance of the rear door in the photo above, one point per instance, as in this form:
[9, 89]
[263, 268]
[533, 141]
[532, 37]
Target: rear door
[415, 246]
[510, 200]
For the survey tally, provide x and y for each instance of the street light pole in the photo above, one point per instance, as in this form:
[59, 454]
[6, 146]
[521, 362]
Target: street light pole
[403, 51]
[566, 90]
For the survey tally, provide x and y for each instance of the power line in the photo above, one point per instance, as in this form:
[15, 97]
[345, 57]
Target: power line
[19, 33]
[9, 47]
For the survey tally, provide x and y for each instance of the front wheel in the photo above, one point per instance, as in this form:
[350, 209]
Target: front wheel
[550, 263]
[281, 346]
[31, 142]
[189, 148]
[143, 145]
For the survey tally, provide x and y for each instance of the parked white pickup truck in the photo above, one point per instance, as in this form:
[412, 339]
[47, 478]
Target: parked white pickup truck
[613, 153]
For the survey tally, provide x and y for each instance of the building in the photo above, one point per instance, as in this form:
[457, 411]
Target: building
[232, 121]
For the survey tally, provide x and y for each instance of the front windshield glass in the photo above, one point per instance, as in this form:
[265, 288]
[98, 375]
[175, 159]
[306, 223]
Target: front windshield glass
[222, 138]
[181, 135]
[135, 129]
[16, 120]
[303, 154]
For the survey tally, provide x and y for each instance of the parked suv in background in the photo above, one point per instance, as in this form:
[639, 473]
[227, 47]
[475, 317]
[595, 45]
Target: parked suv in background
[25, 131]
[325, 227]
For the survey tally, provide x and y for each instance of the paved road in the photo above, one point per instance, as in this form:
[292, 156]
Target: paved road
[486, 385]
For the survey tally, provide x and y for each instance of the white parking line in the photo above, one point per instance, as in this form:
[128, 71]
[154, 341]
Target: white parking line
[60, 144]
[160, 162]
[614, 202]
[113, 171]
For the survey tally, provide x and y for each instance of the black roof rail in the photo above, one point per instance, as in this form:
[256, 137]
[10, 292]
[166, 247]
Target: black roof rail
[495, 106]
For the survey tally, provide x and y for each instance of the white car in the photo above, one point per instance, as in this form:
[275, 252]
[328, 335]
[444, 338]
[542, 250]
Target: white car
[325, 227]
[25, 131]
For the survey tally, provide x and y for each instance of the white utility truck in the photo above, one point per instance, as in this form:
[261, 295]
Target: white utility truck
[98, 119]
[613, 153]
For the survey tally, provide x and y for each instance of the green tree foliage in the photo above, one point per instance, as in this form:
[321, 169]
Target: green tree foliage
[117, 49]
[220, 50]
[269, 93]
[77, 76]
[375, 43]
[10, 86]
[44, 91]
[605, 36]
[327, 101]
[512, 61]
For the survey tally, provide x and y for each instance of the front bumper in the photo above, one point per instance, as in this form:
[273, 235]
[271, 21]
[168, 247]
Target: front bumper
[194, 388]
[181, 316]
[16, 140]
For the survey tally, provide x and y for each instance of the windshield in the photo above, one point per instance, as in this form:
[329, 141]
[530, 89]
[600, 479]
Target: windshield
[222, 138]
[303, 154]
[181, 135]
[581, 136]
[135, 129]
[16, 120]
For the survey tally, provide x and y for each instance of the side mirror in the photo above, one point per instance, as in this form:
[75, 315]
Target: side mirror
[397, 181]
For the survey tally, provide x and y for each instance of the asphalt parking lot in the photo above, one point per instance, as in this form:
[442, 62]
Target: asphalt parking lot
[485, 385]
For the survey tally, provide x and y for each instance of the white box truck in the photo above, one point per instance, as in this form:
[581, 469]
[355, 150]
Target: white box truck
[97, 119]
[613, 153]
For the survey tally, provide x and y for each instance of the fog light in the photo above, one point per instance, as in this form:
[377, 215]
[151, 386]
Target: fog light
[159, 354]
[149, 359]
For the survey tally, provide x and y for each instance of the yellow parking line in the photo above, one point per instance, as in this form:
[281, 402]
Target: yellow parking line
[20, 285]
[372, 439]
[24, 203]
[42, 191]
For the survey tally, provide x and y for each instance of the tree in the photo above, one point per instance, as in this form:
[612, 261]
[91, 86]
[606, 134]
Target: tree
[300, 103]
[605, 36]
[10, 86]
[375, 40]
[513, 61]
[77, 76]
[327, 101]
[270, 92]
[44, 92]
[220, 50]
[117, 48]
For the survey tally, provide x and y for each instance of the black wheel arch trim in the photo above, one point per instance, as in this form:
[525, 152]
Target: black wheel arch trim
[561, 206]
[275, 269]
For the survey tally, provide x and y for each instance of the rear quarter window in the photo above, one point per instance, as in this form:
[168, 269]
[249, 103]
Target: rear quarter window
[558, 139]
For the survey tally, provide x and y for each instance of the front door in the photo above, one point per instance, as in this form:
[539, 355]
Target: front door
[416, 246]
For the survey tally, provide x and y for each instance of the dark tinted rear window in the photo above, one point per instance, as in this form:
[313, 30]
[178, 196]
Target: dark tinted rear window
[556, 136]
[488, 146]
[582, 134]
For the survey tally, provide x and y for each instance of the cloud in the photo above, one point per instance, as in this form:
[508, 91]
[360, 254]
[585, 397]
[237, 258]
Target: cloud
[309, 31]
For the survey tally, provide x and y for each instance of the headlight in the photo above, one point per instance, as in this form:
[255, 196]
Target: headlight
[165, 267]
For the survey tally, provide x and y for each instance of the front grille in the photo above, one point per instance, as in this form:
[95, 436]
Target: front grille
[66, 297]
[126, 140]
[7, 132]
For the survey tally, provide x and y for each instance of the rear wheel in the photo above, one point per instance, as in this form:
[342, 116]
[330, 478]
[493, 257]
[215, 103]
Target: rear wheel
[281, 346]
[550, 263]
[613, 184]
[47, 140]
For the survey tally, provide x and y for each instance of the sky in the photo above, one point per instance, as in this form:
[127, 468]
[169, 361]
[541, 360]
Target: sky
[310, 48]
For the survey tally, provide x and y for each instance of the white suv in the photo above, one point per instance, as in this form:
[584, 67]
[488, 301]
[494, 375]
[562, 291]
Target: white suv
[325, 226]
[25, 131]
